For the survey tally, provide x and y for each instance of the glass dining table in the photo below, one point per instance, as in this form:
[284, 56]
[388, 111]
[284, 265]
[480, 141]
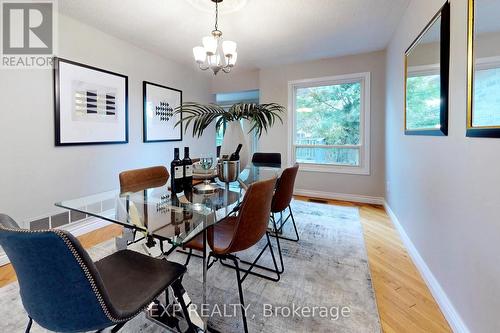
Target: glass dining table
[163, 216]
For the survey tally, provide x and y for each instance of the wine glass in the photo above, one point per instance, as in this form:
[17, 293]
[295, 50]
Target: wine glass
[206, 163]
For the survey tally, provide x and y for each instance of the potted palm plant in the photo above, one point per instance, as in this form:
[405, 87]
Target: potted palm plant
[260, 116]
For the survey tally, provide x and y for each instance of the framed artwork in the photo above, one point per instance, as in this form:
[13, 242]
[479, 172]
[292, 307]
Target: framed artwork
[159, 118]
[427, 63]
[483, 69]
[91, 105]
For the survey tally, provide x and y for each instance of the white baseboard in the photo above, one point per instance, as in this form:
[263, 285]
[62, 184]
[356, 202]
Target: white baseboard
[340, 196]
[452, 316]
[77, 229]
[85, 226]
[3, 259]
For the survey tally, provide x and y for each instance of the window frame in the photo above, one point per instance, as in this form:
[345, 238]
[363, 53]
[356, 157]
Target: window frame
[473, 64]
[492, 131]
[364, 136]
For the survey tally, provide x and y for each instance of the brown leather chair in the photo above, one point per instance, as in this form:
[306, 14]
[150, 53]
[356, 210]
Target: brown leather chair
[281, 201]
[140, 179]
[241, 232]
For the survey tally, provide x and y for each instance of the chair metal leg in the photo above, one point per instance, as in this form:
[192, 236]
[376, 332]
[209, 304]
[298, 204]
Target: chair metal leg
[280, 229]
[282, 269]
[188, 257]
[240, 291]
[185, 303]
[118, 327]
[30, 322]
[190, 253]
[255, 265]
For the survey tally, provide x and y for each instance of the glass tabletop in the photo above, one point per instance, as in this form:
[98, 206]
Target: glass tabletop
[158, 212]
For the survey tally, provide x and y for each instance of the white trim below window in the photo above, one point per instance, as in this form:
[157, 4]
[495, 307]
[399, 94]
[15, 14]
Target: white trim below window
[364, 146]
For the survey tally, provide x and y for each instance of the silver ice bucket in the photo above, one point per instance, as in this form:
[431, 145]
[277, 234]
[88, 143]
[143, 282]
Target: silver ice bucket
[228, 171]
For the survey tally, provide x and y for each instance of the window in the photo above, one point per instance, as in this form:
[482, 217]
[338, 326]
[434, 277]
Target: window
[219, 135]
[226, 100]
[329, 127]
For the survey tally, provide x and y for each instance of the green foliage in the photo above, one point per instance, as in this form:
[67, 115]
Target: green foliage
[423, 97]
[261, 116]
[329, 113]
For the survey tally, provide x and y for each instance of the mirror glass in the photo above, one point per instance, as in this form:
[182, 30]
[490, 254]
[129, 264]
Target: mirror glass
[423, 82]
[486, 57]
[426, 81]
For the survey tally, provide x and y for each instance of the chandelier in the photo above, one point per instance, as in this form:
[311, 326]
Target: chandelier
[215, 53]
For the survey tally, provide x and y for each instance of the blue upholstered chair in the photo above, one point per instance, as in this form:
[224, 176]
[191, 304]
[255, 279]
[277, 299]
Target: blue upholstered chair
[63, 290]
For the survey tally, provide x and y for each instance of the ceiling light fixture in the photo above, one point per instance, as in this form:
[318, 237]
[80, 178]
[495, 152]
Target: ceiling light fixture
[215, 53]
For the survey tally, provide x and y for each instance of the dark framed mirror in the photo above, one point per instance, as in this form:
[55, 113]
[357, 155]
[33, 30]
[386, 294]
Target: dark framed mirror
[483, 84]
[427, 63]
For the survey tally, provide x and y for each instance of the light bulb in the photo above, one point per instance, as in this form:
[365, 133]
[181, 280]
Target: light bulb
[210, 44]
[213, 60]
[232, 59]
[199, 54]
[229, 47]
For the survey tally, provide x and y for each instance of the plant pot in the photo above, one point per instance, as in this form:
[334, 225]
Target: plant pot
[232, 138]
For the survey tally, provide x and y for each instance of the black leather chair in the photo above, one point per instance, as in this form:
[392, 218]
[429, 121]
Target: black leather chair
[64, 291]
[263, 159]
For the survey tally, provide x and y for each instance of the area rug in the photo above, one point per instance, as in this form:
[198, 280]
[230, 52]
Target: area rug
[326, 286]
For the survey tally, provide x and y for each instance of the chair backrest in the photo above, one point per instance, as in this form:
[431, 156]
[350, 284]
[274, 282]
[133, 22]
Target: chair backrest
[141, 179]
[253, 216]
[266, 158]
[284, 189]
[59, 284]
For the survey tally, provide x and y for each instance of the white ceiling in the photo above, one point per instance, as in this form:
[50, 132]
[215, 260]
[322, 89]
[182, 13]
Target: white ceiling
[268, 32]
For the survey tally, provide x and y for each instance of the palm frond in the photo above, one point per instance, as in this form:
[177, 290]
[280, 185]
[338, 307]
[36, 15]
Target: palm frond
[200, 116]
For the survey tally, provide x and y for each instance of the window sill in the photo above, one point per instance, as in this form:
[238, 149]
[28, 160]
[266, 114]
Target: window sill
[327, 168]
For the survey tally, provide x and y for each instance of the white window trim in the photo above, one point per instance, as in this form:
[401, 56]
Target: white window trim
[364, 146]
[487, 63]
[423, 70]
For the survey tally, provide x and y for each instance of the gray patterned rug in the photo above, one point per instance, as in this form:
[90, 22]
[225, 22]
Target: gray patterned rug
[326, 286]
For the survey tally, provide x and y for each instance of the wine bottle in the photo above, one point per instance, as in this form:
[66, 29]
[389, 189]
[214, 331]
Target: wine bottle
[176, 215]
[236, 155]
[176, 172]
[188, 171]
[187, 217]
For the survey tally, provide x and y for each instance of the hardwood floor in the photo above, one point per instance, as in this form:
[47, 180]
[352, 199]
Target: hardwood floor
[404, 302]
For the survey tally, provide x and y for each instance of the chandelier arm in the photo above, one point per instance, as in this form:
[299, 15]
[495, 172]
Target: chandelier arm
[203, 68]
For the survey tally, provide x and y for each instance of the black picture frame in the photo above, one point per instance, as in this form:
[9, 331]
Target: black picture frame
[444, 14]
[145, 131]
[471, 130]
[57, 103]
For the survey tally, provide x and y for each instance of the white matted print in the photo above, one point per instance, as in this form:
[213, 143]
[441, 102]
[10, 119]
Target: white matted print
[159, 117]
[91, 104]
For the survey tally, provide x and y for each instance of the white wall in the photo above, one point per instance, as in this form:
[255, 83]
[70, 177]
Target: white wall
[273, 85]
[444, 190]
[33, 172]
[238, 80]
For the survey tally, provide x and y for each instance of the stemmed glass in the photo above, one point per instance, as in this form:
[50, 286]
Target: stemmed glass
[206, 163]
